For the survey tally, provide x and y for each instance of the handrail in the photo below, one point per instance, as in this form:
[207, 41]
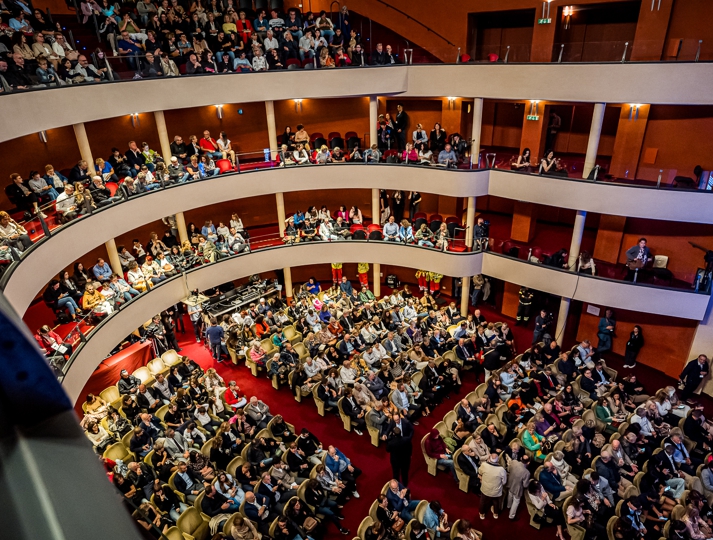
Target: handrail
[417, 22]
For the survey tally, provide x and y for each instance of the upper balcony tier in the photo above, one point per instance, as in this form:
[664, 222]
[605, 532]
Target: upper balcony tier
[648, 83]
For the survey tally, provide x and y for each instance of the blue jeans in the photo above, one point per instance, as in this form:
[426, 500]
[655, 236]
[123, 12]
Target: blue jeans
[174, 515]
[181, 179]
[158, 279]
[308, 54]
[219, 56]
[327, 34]
[216, 350]
[448, 464]
[51, 193]
[69, 303]
[406, 513]
[128, 295]
[215, 155]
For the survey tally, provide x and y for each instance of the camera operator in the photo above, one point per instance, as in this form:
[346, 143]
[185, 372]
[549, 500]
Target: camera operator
[542, 323]
[156, 332]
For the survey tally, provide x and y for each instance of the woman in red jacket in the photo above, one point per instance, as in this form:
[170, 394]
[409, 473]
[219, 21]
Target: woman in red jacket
[51, 343]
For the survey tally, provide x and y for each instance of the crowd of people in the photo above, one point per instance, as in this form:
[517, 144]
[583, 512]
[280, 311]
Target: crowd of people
[168, 39]
[192, 440]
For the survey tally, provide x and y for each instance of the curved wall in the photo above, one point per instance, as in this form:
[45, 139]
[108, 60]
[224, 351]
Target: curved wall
[69, 243]
[658, 83]
[122, 323]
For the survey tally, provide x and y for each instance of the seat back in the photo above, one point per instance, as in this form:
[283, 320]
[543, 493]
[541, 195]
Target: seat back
[110, 395]
[171, 358]
[144, 375]
[156, 366]
[189, 521]
[660, 261]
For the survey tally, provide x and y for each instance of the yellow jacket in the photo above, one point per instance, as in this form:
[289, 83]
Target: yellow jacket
[336, 266]
[363, 268]
[436, 278]
[422, 273]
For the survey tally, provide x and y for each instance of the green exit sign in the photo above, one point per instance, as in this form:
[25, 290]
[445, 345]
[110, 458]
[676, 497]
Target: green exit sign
[544, 21]
[534, 117]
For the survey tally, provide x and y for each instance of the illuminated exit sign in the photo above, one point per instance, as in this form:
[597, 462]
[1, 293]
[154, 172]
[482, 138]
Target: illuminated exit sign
[534, 117]
[544, 21]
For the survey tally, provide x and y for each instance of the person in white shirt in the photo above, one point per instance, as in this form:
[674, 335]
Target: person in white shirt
[66, 204]
[300, 155]
[137, 278]
[270, 42]
[226, 147]
[259, 61]
[326, 231]
[206, 422]
[347, 373]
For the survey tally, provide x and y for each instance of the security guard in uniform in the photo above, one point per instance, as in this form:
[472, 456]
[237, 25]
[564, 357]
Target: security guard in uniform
[525, 306]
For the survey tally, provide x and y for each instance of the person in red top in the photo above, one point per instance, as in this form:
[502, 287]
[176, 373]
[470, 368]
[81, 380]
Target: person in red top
[210, 146]
[233, 397]
[244, 26]
[50, 342]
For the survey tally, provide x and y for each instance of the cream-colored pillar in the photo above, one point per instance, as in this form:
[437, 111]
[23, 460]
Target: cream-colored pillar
[373, 119]
[181, 226]
[576, 243]
[288, 284]
[475, 134]
[562, 320]
[271, 128]
[84, 149]
[470, 222]
[595, 132]
[375, 206]
[163, 135]
[465, 296]
[113, 254]
[280, 200]
[377, 280]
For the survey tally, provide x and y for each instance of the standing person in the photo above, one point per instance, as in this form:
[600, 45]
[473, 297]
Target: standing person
[552, 128]
[605, 332]
[215, 334]
[542, 321]
[525, 306]
[400, 449]
[692, 375]
[633, 346]
[363, 272]
[636, 258]
[401, 126]
[477, 284]
[493, 479]
[194, 314]
[518, 479]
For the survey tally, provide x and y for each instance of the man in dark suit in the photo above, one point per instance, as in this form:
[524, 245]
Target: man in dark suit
[401, 121]
[468, 415]
[257, 510]
[326, 394]
[464, 353]
[403, 424]
[147, 398]
[400, 449]
[468, 463]
[378, 57]
[354, 411]
[187, 482]
[548, 382]
[693, 374]
[636, 257]
[552, 482]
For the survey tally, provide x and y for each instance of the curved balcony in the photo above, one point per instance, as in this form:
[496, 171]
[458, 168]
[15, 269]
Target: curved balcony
[596, 290]
[49, 255]
[652, 83]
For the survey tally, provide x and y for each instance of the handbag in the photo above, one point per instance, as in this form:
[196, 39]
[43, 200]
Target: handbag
[310, 524]
[398, 525]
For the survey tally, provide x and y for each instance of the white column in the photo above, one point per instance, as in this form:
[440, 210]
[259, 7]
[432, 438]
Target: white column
[271, 128]
[465, 296]
[373, 119]
[163, 135]
[475, 134]
[470, 222]
[84, 149]
[113, 254]
[288, 284]
[375, 206]
[576, 243]
[595, 132]
[181, 226]
[562, 320]
[377, 280]
[280, 200]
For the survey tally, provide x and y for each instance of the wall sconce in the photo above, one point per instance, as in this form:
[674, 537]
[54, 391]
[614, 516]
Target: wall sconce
[219, 111]
[634, 111]
[534, 113]
[43, 136]
[298, 105]
[652, 5]
[135, 119]
[545, 19]
[451, 102]
[567, 12]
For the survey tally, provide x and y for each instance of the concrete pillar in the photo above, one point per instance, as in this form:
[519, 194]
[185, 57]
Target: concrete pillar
[475, 134]
[113, 254]
[465, 296]
[470, 223]
[288, 284]
[576, 243]
[595, 132]
[84, 149]
[271, 128]
[163, 135]
[377, 280]
[280, 200]
[181, 226]
[373, 119]
[562, 320]
[375, 206]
